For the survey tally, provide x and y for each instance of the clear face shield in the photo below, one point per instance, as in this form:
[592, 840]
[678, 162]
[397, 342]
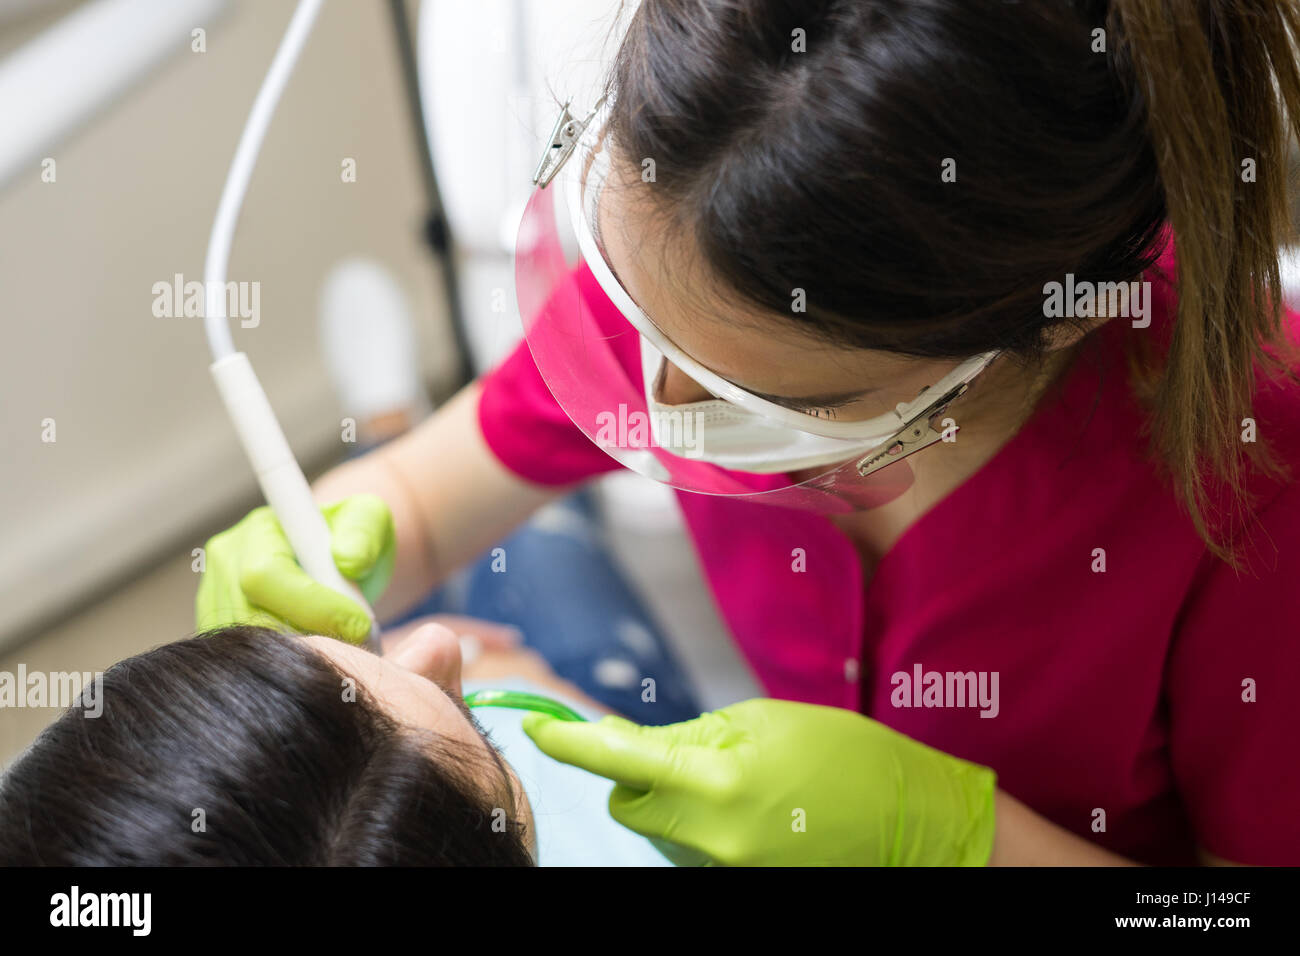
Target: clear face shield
[603, 359]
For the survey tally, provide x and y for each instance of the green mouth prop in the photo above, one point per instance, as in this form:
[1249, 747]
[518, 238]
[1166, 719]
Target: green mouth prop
[521, 700]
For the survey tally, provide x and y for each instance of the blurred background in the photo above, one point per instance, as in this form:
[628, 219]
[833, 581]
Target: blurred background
[118, 122]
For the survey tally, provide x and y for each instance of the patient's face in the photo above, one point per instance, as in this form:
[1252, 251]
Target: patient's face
[414, 683]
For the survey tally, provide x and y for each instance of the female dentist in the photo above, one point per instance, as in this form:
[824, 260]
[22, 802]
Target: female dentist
[991, 495]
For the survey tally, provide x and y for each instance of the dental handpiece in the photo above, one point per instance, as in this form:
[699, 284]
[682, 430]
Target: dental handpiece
[281, 479]
[283, 484]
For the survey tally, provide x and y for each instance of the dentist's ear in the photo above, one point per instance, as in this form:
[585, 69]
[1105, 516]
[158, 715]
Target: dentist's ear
[432, 651]
[1066, 334]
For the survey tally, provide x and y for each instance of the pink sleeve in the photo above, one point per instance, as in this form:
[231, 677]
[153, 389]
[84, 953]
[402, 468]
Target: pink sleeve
[528, 431]
[1237, 759]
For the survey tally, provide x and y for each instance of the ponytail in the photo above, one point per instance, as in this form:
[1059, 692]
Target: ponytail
[1220, 83]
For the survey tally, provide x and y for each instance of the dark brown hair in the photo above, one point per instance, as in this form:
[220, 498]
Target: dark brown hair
[819, 168]
[250, 727]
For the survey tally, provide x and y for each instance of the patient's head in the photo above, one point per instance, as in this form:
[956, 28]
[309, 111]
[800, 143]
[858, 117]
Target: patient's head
[245, 746]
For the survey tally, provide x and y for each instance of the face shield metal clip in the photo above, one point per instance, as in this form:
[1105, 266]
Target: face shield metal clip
[916, 434]
[564, 138]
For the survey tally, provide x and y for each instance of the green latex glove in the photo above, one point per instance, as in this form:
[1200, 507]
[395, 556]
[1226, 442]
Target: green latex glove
[781, 783]
[251, 575]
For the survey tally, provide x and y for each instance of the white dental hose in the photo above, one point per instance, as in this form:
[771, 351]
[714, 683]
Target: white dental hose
[283, 483]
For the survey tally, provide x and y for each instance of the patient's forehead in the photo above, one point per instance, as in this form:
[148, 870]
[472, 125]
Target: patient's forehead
[407, 697]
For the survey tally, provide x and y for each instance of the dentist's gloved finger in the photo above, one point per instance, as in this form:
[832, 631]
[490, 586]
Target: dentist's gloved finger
[276, 584]
[220, 602]
[612, 747]
[361, 534]
[662, 817]
[208, 606]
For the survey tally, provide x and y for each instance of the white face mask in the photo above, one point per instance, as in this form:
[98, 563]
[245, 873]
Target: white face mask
[731, 437]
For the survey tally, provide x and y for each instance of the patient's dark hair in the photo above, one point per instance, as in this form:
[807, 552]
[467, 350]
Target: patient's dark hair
[250, 727]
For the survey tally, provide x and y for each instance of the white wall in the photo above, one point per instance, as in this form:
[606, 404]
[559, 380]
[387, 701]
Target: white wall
[144, 456]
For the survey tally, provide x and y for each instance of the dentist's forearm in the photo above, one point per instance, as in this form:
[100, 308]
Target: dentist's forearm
[1023, 838]
[450, 497]
[414, 569]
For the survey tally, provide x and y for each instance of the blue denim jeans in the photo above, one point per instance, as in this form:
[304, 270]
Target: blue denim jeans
[556, 581]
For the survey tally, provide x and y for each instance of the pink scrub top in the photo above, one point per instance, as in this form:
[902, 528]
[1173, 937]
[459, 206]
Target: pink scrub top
[1150, 707]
